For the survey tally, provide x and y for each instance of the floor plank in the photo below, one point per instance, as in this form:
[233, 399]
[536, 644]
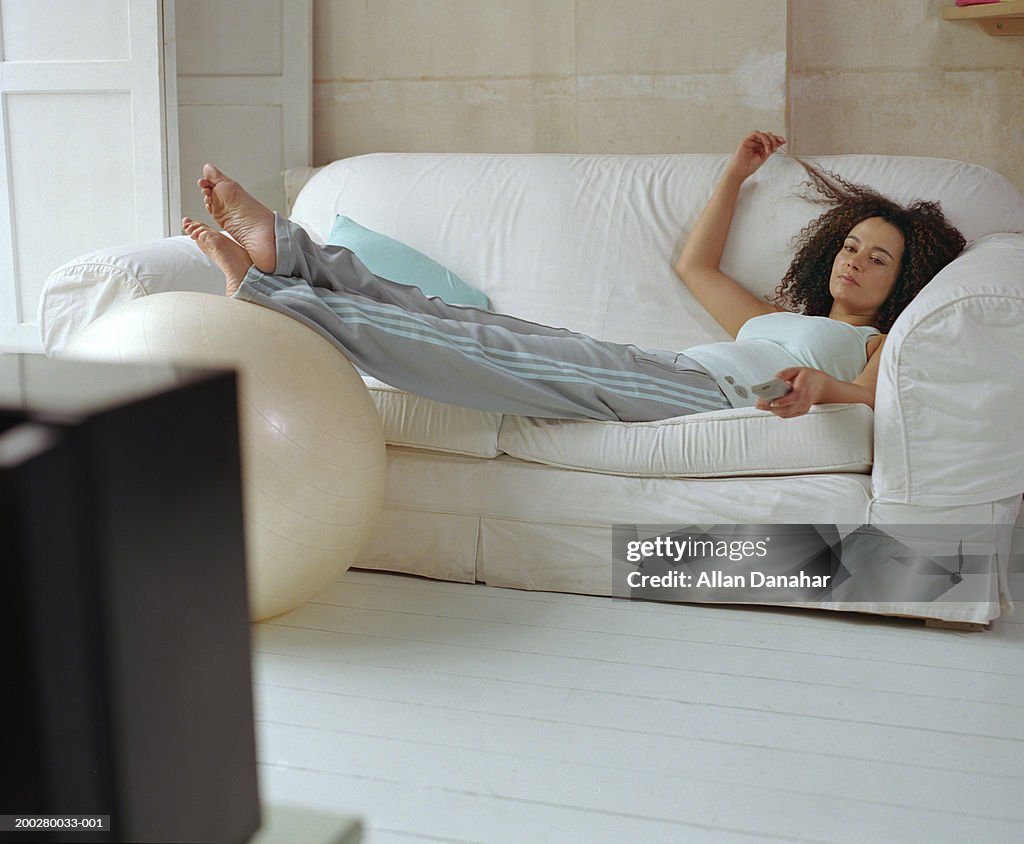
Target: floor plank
[460, 712]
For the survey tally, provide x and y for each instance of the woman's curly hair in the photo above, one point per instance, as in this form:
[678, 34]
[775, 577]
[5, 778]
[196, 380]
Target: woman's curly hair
[930, 242]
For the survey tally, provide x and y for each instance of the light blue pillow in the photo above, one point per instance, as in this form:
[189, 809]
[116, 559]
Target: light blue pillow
[388, 258]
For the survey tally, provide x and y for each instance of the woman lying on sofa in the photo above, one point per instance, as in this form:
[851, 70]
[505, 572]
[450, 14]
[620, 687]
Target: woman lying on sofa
[856, 268]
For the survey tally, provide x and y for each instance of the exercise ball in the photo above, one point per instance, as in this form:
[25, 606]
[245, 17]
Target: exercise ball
[313, 463]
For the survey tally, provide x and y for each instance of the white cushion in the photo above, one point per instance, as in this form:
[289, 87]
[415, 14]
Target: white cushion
[740, 441]
[81, 290]
[418, 422]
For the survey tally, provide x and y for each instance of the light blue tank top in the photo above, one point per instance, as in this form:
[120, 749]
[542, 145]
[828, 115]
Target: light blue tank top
[770, 342]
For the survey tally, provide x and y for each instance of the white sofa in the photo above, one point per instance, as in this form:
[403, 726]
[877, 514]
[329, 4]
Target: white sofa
[589, 243]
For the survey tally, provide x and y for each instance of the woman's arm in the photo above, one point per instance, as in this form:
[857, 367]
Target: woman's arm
[725, 299]
[812, 386]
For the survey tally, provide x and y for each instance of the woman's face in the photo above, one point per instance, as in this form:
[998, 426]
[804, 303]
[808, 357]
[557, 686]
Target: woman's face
[866, 267]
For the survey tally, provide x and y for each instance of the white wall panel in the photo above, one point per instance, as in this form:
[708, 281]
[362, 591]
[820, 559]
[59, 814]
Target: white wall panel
[253, 49]
[245, 101]
[65, 30]
[88, 195]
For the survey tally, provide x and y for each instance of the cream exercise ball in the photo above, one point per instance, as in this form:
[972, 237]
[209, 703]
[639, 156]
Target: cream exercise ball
[313, 462]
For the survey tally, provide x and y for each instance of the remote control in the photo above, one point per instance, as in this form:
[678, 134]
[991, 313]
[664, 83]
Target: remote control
[774, 389]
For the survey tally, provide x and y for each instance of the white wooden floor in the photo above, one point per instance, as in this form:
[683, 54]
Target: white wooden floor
[456, 712]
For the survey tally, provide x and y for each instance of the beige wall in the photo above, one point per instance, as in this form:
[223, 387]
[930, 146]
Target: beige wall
[545, 75]
[642, 76]
[890, 76]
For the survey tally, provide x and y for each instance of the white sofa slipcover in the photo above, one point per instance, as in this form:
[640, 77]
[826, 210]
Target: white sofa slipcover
[589, 242]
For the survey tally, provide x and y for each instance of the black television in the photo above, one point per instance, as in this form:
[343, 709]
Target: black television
[128, 681]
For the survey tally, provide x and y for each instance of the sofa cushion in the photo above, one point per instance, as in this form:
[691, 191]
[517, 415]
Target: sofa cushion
[418, 422]
[392, 259]
[740, 441]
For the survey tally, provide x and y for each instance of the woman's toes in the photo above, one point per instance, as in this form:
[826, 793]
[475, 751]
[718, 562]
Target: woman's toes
[190, 226]
[212, 175]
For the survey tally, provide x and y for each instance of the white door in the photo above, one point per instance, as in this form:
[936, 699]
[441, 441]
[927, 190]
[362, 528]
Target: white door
[83, 141]
[245, 82]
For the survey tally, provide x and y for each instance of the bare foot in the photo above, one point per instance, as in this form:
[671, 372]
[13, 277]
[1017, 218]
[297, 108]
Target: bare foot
[241, 215]
[232, 259]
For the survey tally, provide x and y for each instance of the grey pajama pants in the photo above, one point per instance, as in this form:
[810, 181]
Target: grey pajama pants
[469, 356]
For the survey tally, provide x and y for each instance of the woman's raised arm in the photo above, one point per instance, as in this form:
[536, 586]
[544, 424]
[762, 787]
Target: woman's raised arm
[725, 299]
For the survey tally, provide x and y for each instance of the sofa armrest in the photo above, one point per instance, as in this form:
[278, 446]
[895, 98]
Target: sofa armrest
[949, 406]
[81, 290]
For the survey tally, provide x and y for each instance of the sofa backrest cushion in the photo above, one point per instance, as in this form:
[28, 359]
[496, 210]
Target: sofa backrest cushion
[589, 242]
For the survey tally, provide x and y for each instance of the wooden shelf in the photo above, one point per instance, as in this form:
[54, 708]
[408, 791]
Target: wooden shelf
[1005, 18]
